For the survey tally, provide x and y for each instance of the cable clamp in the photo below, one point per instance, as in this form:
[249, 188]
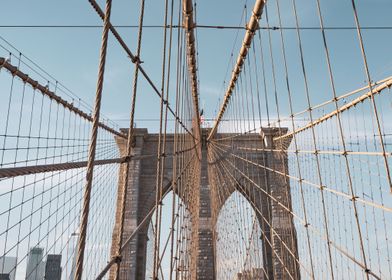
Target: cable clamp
[117, 259]
[126, 159]
[250, 30]
[136, 60]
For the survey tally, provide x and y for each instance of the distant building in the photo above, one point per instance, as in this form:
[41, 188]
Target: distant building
[35, 265]
[73, 268]
[8, 267]
[73, 265]
[53, 267]
[5, 276]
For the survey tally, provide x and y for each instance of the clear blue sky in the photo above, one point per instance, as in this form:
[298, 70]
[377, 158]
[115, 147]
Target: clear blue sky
[71, 55]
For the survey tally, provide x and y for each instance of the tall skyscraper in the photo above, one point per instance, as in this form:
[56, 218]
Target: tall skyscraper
[53, 267]
[35, 264]
[8, 267]
[73, 265]
[73, 268]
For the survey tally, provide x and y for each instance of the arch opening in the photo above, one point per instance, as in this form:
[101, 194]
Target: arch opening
[239, 246]
[174, 245]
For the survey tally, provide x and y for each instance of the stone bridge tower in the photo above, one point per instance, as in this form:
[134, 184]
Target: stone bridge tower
[141, 199]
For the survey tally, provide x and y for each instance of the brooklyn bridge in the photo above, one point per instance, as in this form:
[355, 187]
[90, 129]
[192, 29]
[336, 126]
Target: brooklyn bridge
[199, 140]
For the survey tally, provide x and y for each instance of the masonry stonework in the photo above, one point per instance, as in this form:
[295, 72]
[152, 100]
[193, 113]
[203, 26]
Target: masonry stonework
[141, 199]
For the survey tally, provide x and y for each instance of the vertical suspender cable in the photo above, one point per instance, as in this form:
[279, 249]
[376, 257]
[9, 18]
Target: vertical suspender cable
[374, 106]
[92, 148]
[130, 137]
[158, 183]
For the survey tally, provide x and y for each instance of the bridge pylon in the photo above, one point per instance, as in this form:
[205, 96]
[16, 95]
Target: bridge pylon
[278, 232]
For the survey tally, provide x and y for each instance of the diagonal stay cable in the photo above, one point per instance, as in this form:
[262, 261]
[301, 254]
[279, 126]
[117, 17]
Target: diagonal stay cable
[117, 259]
[52, 95]
[251, 28]
[135, 59]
